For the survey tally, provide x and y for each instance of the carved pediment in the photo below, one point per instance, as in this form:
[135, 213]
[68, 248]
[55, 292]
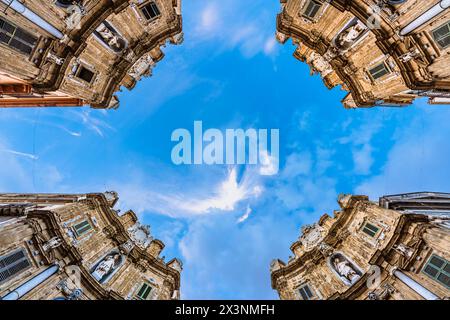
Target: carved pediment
[140, 235]
[311, 236]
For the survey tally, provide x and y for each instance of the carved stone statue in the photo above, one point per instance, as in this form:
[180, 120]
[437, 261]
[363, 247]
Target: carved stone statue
[325, 249]
[347, 37]
[404, 250]
[106, 266]
[320, 64]
[113, 40]
[345, 269]
[53, 243]
[141, 67]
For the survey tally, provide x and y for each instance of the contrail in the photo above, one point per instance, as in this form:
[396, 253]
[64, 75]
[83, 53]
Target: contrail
[22, 154]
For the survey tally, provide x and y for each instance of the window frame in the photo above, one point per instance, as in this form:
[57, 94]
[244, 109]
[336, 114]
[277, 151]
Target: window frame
[364, 226]
[80, 68]
[6, 268]
[13, 36]
[305, 9]
[446, 24]
[141, 287]
[440, 270]
[310, 289]
[149, 3]
[386, 67]
[78, 234]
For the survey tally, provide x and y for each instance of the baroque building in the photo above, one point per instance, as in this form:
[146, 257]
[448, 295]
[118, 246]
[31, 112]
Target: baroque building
[397, 249]
[81, 52]
[383, 52]
[77, 247]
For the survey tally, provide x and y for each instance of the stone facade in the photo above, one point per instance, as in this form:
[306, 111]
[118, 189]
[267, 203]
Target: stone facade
[384, 52]
[397, 249]
[77, 247]
[73, 53]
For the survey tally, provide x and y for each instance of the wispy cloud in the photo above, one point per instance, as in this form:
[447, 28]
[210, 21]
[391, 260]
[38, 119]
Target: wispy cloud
[245, 216]
[21, 154]
[236, 24]
[195, 200]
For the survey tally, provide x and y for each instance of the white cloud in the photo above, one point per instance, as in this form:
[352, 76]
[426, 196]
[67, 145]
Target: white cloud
[363, 159]
[234, 24]
[360, 139]
[269, 164]
[270, 46]
[245, 216]
[21, 154]
[193, 200]
[209, 18]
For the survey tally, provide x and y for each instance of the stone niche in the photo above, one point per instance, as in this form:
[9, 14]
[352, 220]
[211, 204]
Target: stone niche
[344, 268]
[104, 268]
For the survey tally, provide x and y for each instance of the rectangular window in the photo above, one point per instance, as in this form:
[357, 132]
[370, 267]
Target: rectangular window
[12, 264]
[379, 71]
[81, 228]
[16, 38]
[442, 35]
[85, 74]
[370, 229]
[439, 269]
[306, 292]
[312, 8]
[150, 11]
[144, 292]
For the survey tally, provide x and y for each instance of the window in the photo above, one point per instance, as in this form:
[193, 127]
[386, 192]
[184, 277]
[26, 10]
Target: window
[144, 292]
[150, 11]
[312, 8]
[85, 74]
[370, 229]
[439, 269]
[12, 264]
[306, 293]
[16, 38]
[442, 35]
[81, 228]
[379, 71]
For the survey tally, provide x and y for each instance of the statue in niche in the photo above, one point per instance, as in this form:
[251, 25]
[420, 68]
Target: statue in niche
[106, 267]
[345, 269]
[350, 35]
[110, 37]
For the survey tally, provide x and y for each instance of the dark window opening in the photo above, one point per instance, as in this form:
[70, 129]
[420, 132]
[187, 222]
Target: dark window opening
[85, 74]
[312, 9]
[150, 11]
[16, 37]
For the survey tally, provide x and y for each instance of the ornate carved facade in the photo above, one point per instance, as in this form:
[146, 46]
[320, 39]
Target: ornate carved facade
[397, 249]
[78, 247]
[384, 52]
[72, 53]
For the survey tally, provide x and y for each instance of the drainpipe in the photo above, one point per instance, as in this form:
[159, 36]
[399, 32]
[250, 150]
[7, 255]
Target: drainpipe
[31, 284]
[417, 287]
[425, 17]
[33, 17]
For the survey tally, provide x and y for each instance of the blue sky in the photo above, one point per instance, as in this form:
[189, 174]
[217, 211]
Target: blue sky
[227, 223]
